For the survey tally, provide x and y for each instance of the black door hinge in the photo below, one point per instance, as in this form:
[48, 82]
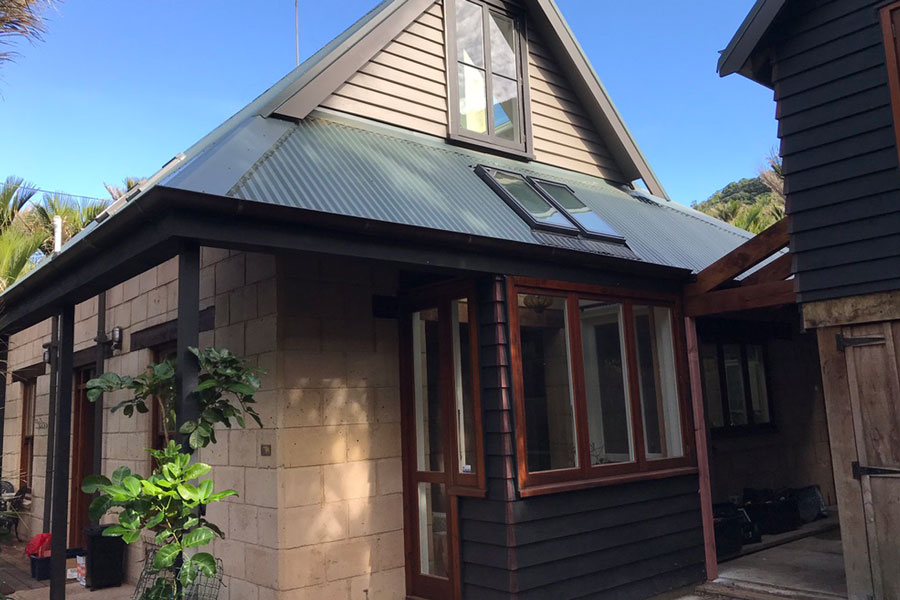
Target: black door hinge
[859, 471]
[847, 342]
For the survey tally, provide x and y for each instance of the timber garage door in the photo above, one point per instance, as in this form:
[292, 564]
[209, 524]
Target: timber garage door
[873, 377]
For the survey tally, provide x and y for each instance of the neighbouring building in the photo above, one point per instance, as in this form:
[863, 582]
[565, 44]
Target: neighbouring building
[478, 314]
[833, 67]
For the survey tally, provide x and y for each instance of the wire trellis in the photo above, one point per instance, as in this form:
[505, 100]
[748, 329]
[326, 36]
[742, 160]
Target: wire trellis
[204, 588]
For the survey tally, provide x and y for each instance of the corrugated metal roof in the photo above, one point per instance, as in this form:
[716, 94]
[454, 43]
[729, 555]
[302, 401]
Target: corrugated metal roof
[360, 169]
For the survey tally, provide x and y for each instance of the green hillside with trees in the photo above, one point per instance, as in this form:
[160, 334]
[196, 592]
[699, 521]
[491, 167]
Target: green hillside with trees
[751, 204]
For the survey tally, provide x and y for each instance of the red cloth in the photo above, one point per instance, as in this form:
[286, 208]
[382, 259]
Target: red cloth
[39, 546]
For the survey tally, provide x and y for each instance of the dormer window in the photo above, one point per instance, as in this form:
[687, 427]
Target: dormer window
[489, 94]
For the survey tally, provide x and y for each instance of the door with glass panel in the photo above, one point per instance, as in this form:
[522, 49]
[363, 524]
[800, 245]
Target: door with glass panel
[442, 433]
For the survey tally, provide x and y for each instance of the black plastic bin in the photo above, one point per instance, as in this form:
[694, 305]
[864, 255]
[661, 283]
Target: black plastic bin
[104, 559]
[40, 567]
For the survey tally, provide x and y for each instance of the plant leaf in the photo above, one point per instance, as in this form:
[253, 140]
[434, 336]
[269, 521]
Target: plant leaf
[165, 556]
[206, 562]
[198, 537]
[93, 483]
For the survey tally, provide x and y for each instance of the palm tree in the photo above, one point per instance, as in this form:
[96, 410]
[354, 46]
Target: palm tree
[14, 195]
[20, 18]
[75, 215]
[116, 192]
[17, 252]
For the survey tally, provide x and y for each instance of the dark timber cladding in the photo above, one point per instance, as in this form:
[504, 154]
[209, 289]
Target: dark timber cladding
[839, 147]
[624, 541]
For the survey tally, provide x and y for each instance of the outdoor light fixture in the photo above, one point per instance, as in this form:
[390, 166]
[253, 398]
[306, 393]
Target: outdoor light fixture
[115, 338]
[46, 355]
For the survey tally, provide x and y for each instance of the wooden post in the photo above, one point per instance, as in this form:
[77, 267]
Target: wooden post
[706, 512]
[188, 334]
[61, 454]
[51, 423]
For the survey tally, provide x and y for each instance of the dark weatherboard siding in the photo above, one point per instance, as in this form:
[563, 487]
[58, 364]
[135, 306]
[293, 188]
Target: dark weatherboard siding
[626, 542]
[839, 148]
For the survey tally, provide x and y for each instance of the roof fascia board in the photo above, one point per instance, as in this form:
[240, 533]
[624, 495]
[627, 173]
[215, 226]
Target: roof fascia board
[309, 91]
[592, 93]
[736, 56]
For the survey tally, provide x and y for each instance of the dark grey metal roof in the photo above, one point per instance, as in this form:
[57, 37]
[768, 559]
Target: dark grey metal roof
[347, 166]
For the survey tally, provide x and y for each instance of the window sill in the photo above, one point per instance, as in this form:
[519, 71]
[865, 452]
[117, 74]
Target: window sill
[583, 484]
[483, 144]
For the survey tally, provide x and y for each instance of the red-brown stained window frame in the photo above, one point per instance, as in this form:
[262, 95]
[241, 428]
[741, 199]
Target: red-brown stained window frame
[892, 62]
[26, 454]
[586, 475]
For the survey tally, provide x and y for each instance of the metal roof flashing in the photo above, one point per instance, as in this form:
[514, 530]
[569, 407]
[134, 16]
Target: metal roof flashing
[736, 57]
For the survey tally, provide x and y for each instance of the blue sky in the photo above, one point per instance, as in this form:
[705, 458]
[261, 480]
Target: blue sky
[117, 88]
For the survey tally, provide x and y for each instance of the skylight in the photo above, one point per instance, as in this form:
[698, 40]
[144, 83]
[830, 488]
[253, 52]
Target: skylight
[576, 209]
[547, 204]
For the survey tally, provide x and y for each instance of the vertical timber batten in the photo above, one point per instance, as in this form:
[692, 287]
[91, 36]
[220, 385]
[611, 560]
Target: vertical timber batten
[188, 335]
[61, 454]
[51, 424]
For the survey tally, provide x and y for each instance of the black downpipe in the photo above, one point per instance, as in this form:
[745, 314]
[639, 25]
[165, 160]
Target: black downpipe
[51, 423]
[4, 368]
[102, 343]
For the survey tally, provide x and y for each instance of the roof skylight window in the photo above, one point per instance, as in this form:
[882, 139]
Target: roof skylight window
[575, 208]
[547, 204]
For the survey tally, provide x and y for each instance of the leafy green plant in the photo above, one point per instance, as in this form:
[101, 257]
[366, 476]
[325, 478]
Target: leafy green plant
[166, 503]
[225, 393]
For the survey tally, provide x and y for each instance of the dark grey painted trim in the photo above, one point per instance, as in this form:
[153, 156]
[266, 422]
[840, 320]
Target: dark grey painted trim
[4, 370]
[61, 455]
[187, 372]
[735, 57]
[167, 333]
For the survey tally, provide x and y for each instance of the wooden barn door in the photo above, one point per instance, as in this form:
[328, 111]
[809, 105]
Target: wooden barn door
[873, 379]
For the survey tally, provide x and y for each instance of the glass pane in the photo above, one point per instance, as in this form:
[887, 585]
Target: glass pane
[606, 385]
[758, 393]
[469, 33]
[712, 391]
[462, 374]
[734, 385]
[658, 382]
[472, 100]
[426, 382]
[546, 368]
[507, 124]
[503, 46]
[541, 210]
[577, 209]
[433, 529]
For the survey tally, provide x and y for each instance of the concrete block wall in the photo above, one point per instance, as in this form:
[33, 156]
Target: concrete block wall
[319, 512]
[339, 487]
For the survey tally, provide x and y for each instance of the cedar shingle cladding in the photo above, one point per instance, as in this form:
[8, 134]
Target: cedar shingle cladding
[405, 85]
[839, 148]
[625, 541]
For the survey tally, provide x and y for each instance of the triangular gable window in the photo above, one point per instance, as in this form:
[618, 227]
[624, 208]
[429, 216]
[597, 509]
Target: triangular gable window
[547, 204]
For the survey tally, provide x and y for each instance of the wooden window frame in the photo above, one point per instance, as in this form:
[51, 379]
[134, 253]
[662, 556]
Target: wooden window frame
[892, 62]
[157, 439]
[26, 449]
[751, 427]
[584, 474]
[524, 149]
[461, 484]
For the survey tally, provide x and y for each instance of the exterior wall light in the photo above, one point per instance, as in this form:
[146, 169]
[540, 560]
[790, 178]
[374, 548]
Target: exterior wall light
[115, 338]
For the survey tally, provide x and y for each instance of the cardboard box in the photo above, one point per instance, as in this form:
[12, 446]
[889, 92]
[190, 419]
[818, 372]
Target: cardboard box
[81, 569]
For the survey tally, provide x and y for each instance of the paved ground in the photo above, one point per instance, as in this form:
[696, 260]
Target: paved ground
[808, 569]
[73, 590]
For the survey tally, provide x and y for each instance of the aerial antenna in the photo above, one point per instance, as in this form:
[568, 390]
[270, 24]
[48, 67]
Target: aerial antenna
[297, 28]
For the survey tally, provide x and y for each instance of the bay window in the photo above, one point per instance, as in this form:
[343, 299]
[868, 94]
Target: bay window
[598, 382]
